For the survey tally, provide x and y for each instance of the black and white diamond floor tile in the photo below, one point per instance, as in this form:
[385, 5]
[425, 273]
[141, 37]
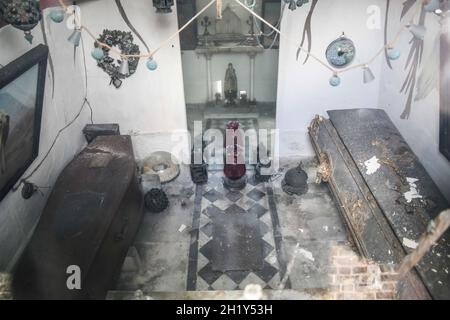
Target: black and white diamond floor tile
[223, 204]
[256, 194]
[258, 209]
[224, 283]
[213, 195]
[218, 200]
[245, 203]
[234, 196]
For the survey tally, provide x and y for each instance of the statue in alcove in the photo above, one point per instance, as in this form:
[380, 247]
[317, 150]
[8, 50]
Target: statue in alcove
[231, 86]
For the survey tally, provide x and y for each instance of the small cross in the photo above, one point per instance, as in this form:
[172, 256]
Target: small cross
[206, 23]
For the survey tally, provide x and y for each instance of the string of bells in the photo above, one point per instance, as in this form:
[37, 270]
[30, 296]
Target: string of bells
[58, 15]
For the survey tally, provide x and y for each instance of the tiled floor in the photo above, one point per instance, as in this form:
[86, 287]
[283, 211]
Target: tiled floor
[311, 226]
[218, 200]
[163, 250]
[298, 234]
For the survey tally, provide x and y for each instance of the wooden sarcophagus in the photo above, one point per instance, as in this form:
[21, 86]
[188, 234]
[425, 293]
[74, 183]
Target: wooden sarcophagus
[385, 195]
[86, 228]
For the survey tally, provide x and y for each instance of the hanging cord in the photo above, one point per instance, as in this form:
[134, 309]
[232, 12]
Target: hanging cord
[277, 25]
[282, 34]
[47, 154]
[335, 71]
[387, 45]
[25, 179]
[275, 29]
[86, 92]
[125, 56]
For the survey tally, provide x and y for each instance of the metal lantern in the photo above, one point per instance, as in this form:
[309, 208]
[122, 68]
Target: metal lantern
[163, 6]
[293, 4]
[295, 181]
[21, 14]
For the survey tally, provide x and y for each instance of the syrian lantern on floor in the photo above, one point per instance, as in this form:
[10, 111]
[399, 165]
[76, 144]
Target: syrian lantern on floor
[234, 169]
[21, 14]
[295, 181]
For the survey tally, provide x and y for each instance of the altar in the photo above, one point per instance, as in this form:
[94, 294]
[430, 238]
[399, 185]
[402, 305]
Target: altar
[228, 38]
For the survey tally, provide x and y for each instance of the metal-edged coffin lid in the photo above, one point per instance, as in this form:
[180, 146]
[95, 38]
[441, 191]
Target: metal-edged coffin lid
[79, 214]
[402, 189]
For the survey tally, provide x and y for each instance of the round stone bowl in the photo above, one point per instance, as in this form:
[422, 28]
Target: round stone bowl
[163, 164]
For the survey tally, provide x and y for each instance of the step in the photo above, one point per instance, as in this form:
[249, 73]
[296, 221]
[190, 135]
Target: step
[316, 294]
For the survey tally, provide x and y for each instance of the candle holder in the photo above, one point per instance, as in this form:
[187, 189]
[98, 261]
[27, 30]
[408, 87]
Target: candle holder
[243, 97]
[218, 98]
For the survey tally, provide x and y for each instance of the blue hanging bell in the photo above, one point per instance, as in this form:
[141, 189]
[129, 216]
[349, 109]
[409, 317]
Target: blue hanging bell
[97, 53]
[57, 15]
[393, 54]
[335, 81]
[152, 65]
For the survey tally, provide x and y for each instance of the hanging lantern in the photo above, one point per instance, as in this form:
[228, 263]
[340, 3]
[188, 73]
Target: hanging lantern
[163, 6]
[21, 14]
[293, 4]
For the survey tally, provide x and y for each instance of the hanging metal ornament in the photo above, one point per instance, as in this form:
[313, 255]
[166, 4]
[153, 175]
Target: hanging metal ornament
[341, 52]
[21, 14]
[293, 4]
[123, 41]
[163, 6]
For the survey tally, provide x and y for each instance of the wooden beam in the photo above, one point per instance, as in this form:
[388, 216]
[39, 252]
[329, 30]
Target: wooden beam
[435, 230]
[219, 9]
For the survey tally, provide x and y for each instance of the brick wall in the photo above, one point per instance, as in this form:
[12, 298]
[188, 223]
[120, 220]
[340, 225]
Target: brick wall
[353, 278]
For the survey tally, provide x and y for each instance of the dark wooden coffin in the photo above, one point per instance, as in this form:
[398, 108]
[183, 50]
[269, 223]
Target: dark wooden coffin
[90, 221]
[382, 219]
